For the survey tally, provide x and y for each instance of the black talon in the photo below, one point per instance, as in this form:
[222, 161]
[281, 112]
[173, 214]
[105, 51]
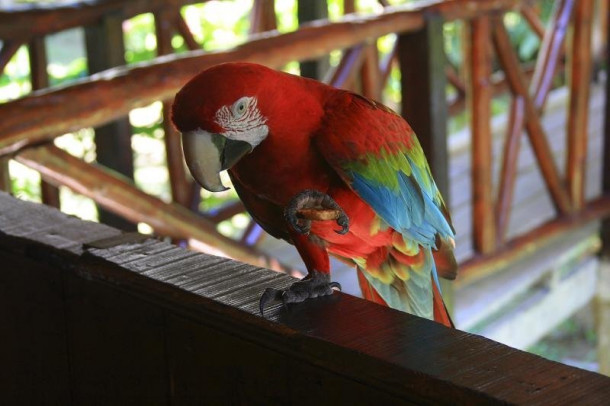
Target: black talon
[269, 295]
[343, 221]
[317, 284]
[313, 199]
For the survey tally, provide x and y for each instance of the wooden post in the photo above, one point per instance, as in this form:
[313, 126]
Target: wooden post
[309, 10]
[105, 49]
[424, 106]
[179, 181]
[40, 79]
[581, 64]
[479, 102]
[603, 298]
[423, 82]
[5, 176]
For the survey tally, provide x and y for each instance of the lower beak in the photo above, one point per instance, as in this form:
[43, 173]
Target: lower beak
[207, 154]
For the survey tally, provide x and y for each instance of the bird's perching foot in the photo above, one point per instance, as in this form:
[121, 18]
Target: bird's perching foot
[316, 284]
[312, 205]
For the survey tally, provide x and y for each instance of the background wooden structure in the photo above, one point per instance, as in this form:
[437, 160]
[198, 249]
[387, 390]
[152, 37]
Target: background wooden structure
[487, 242]
[122, 318]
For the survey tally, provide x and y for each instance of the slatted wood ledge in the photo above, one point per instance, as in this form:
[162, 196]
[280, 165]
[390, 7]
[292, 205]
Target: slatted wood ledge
[93, 314]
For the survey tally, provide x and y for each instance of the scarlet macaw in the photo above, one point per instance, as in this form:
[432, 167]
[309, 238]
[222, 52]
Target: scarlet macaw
[292, 143]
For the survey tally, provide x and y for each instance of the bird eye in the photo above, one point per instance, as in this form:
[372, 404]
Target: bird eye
[239, 108]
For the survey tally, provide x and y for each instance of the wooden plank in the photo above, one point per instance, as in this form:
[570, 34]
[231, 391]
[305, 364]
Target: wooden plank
[579, 83]
[545, 308]
[479, 101]
[50, 227]
[33, 350]
[479, 301]
[480, 266]
[370, 351]
[117, 346]
[106, 49]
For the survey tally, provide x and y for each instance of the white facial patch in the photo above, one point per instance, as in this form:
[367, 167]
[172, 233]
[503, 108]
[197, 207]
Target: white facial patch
[243, 121]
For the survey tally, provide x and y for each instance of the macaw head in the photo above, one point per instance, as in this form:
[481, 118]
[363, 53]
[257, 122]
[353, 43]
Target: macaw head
[220, 119]
[226, 111]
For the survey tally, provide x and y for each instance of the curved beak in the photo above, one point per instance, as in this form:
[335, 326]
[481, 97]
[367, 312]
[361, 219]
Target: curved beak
[207, 154]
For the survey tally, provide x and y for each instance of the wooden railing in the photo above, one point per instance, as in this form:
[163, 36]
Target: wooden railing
[97, 316]
[29, 124]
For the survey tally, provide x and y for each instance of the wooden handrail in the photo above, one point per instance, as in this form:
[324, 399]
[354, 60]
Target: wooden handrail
[28, 20]
[118, 318]
[41, 116]
[118, 194]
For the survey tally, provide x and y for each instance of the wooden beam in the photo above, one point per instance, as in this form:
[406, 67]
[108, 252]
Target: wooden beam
[581, 65]
[307, 11]
[117, 193]
[262, 16]
[422, 65]
[185, 32]
[345, 73]
[5, 176]
[112, 94]
[533, 19]
[40, 79]
[508, 170]
[27, 20]
[178, 179]
[479, 101]
[370, 75]
[482, 265]
[551, 52]
[106, 49]
[516, 80]
[546, 65]
[8, 50]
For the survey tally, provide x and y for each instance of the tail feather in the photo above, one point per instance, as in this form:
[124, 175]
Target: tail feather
[441, 315]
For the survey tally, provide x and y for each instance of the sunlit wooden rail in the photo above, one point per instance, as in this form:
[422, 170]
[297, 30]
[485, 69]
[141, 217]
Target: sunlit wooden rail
[39, 118]
[122, 318]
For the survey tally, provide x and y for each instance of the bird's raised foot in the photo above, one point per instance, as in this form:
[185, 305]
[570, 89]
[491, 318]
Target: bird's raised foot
[316, 284]
[312, 205]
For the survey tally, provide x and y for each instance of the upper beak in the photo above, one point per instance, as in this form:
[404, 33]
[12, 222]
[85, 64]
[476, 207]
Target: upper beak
[207, 154]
